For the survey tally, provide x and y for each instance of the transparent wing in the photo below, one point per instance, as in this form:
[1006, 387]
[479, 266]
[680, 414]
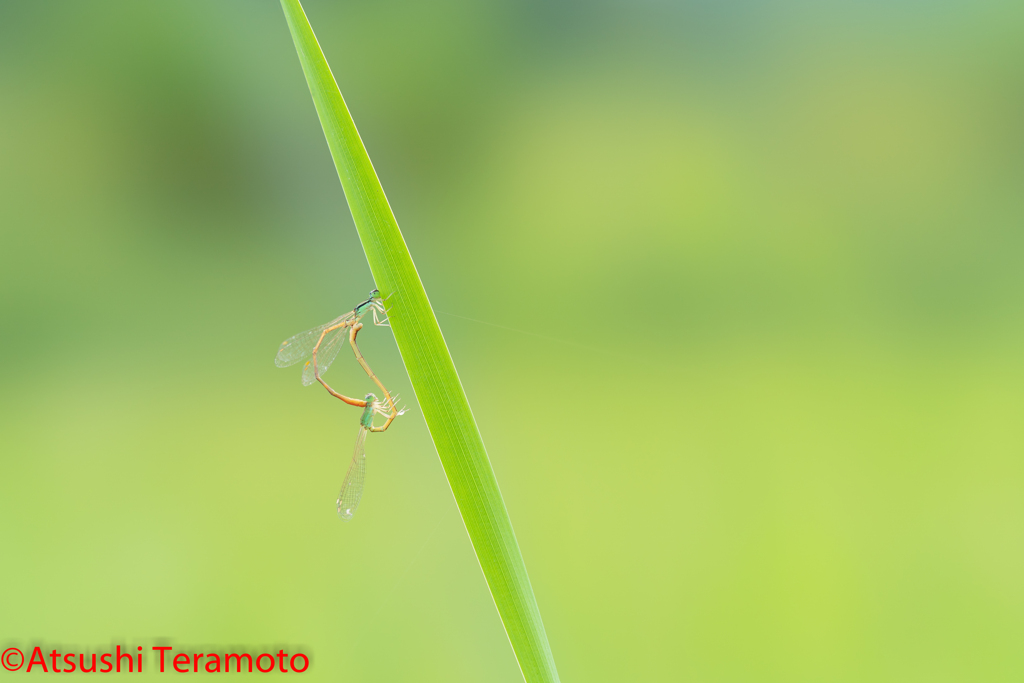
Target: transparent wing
[300, 347]
[325, 355]
[352, 487]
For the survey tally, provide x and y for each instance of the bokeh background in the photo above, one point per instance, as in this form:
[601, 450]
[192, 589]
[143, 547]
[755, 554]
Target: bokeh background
[735, 291]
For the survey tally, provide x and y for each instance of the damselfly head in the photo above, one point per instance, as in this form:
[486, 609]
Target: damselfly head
[374, 301]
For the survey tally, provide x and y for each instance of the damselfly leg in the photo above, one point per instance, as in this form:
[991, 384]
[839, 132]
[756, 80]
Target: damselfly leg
[388, 409]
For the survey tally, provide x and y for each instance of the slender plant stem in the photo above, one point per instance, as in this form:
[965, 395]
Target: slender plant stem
[439, 392]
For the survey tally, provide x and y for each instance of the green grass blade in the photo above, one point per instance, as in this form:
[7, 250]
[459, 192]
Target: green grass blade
[431, 370]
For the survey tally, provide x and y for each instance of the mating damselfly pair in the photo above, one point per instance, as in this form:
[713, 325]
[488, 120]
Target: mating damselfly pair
[317, 348]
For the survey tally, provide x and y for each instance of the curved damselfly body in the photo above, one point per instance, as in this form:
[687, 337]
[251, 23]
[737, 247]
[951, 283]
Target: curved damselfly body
[320, 346]
[326, 340]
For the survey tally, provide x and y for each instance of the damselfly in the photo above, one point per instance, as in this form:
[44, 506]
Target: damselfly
[352, 486]
[319, 347]
[322, 343]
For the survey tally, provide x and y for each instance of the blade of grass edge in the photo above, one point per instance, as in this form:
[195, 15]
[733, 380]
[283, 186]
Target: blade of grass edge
[431, 371]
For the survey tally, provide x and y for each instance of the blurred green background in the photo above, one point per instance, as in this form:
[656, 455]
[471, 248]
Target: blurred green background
[749, 368]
